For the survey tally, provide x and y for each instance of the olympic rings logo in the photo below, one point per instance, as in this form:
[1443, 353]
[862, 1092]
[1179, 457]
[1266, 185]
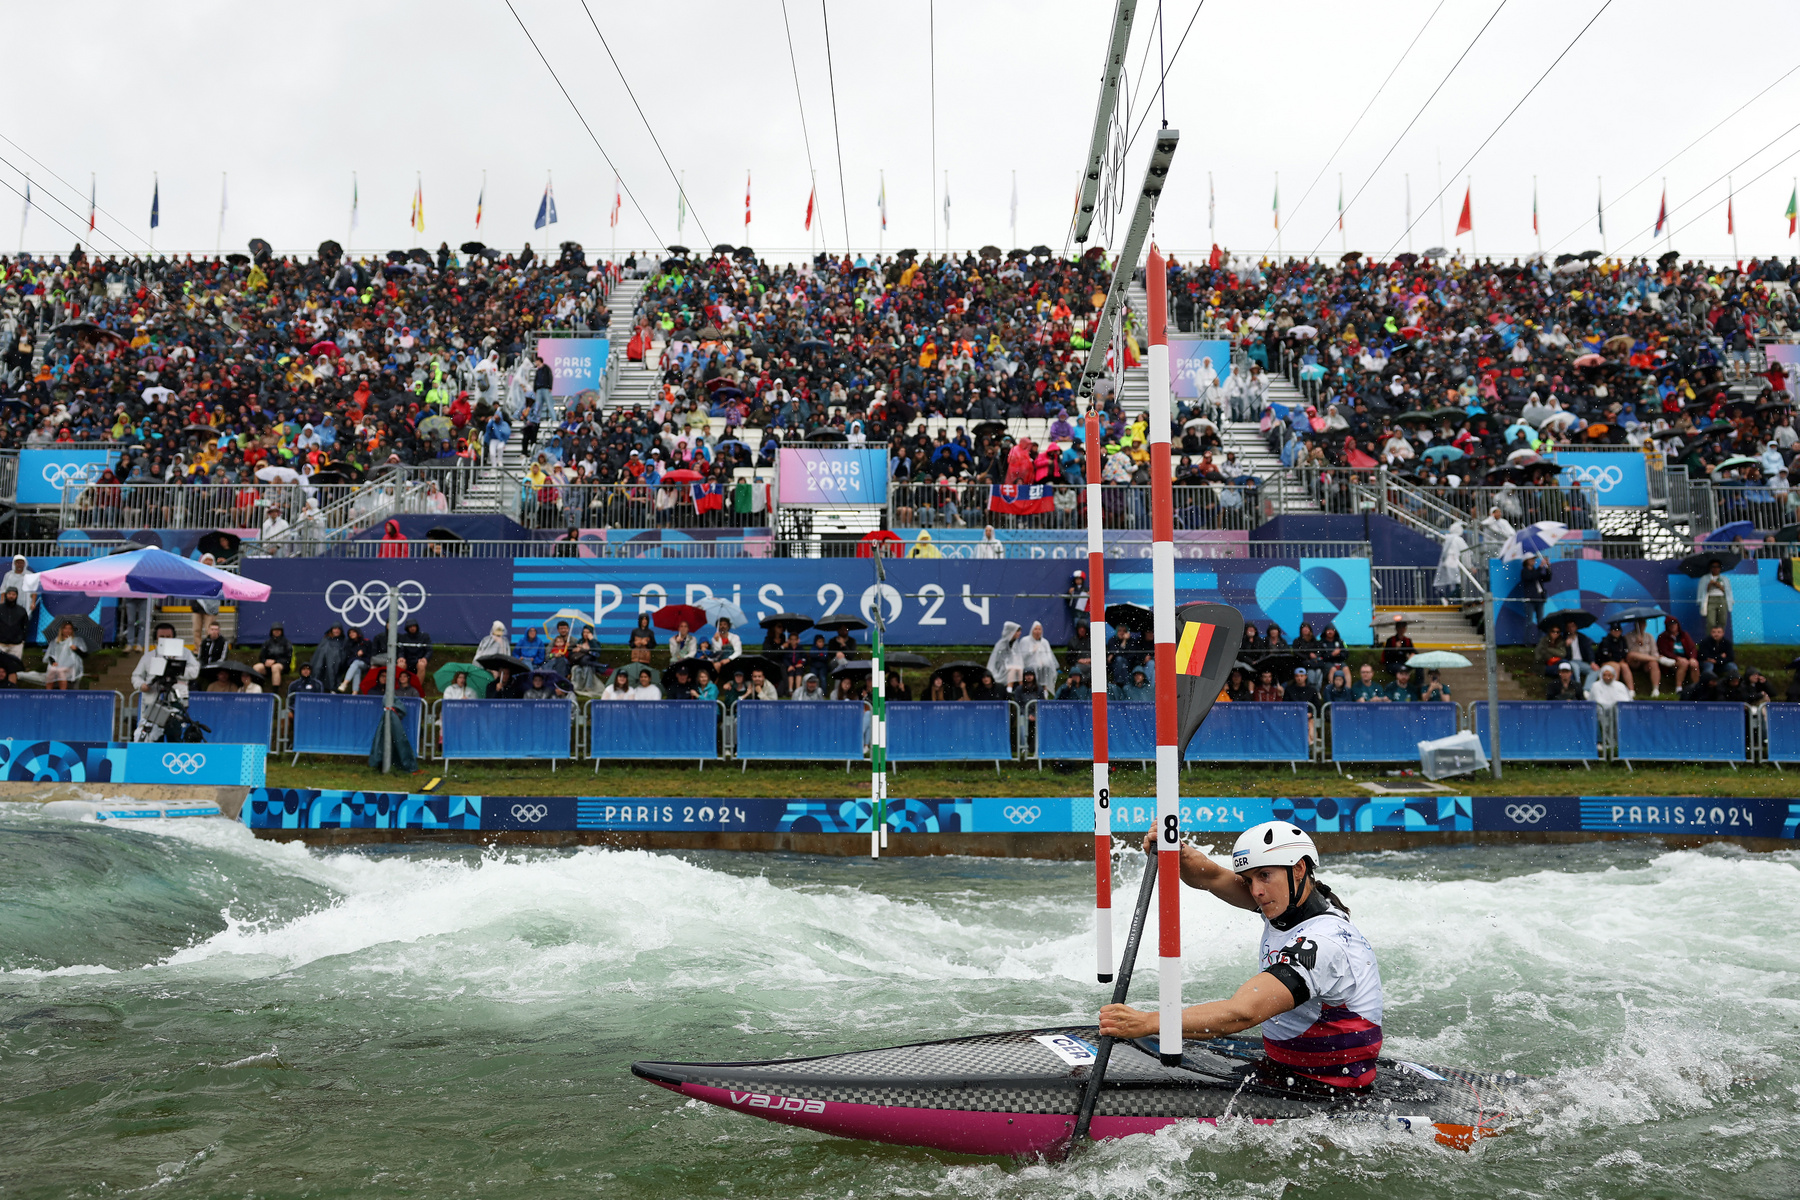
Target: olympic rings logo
[1018, 814]
[183, 764]
[359, 605]
[1525, 814]
[530, 814]
[1603, 479]
[61, 475]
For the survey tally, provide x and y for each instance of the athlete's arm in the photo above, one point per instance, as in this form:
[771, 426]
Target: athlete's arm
[1262, 997]
[1198, 870]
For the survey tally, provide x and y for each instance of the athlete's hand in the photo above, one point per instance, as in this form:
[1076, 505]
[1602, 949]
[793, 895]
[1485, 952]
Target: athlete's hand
[1123, 1021]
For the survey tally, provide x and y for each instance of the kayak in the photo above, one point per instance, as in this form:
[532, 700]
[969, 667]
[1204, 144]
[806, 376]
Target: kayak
[1017, 1094]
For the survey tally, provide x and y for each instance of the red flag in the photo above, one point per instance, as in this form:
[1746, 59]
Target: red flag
[1730, 224]
[1662, 211]
[746, 201]
[809, 207]
[1466, 222]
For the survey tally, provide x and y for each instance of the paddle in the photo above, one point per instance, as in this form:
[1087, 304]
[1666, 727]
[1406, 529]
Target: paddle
[1207, 639]
[1121, 986]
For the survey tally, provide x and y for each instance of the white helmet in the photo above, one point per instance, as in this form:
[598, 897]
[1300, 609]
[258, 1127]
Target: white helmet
[1272, 844]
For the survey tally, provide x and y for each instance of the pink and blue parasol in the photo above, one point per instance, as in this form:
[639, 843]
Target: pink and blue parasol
[151, 572]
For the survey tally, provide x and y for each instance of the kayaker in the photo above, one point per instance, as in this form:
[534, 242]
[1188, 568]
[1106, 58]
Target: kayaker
[1318, 996]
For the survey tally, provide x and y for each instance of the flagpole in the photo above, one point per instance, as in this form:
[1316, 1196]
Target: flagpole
[1791, 197]
[1096, 613]
[1278, 218]
[881, 228]
[1731, 217]
[24, 214]
[1409, 220]
[1469, 191]
[1537, 226]
[1600, 212]
[155, 207]
[1212, 233]
[219, 238]
[1343, 237]
[1668, 229]
[1442, 239]
[1015, 207]
[350, 234]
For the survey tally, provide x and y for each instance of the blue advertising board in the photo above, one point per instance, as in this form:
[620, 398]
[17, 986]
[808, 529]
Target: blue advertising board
[1189, 359]
[305, 808]
[927, 601]
[576, 364]
[44, 473]
[1619, 479]
[229, 764]
[1766, 610]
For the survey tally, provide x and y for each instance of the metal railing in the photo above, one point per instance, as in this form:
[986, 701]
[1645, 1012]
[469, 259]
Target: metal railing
[135, 505]
[1126, 506]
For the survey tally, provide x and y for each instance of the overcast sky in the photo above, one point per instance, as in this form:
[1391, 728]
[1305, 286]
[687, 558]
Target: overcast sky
[290, 101]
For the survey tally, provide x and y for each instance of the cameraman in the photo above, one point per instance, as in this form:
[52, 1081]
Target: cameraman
[152, 675]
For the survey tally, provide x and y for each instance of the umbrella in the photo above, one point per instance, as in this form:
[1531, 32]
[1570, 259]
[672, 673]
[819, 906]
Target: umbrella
[1696, 565]
[823, 434]
[1739, 460]
[1589, 360]
[1303, 331]
[219, 543]
[905, 660]
[227, 667]
[1350, 256]
[1666, 257]
[865, 545]
[1533, 539]
[151, 572]
[237, 260]
[1637, 612]
[1730, 532]
[1437, 660]
[278, 474]
[1581, 619]
[814, 345]
[419, 255]
[1413, 418]
[326, 347]
[86, 628]
[681, 475]
[989, 252]
[436, 427]
[1524, 458]
[1040, 251]
[715, 607]
[396, 256]
[679, 250]
[1130, 616]
[792, 621]
[503, 662]
[744, 252]
[479, 679]
[472, 247]
[722, 248]
[1787, 535]
[670, 617]
[574, 616]
[261, 250]
[971, 671]
[841, 621]
[1435, 252]
[1444, 453]
[11, 662]
[862, 667]
[1665, 434]
[395, 270]
[1588, 255]
[438, 533]
[747, 663]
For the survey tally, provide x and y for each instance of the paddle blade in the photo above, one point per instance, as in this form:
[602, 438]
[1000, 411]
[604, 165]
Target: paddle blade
[1207, 637]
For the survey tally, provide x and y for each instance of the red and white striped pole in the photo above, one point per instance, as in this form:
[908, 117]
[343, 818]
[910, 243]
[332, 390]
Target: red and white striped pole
[1096, 611]
[1162, 604]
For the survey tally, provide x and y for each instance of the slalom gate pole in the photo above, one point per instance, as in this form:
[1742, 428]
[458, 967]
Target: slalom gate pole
[1103, 923]
[878, 780]
[1162, 593]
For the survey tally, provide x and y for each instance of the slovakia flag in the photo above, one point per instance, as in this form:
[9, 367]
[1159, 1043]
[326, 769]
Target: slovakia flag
[1021, 499]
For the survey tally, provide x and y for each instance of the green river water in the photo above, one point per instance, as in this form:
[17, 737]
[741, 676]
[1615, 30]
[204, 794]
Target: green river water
[187, 1012]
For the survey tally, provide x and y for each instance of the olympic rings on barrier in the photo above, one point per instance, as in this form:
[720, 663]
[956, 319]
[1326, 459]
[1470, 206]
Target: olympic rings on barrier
[530, 814]
[1018, 814]
[359, 605]
[1525, 814]
[183, 763]
[61, 475]
[1604, 479]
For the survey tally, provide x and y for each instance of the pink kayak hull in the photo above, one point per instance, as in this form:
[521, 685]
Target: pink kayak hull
[956, 1131]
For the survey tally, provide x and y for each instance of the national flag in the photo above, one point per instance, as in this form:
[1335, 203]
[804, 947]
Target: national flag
[1021, 499]
[480, 199]
[810, 197]
[1730, 221]
[946, 202]
[155, 202]
[355, 200]
[618, 201]
[746, 202]
[1276, 206]
[1207, 637]
[418, 206]
[1599, 211]
[1340, 204]
[681, 206]
[1793, 209]
[546, 213]
[1466, 222]
[1662, 211]
[708, 496]
[1191, 651]
[1534, 223]
[881, 201]
[91, 195]
[1209, 204]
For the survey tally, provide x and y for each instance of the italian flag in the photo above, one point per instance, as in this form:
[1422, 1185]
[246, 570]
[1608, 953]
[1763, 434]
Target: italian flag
[1793, 210]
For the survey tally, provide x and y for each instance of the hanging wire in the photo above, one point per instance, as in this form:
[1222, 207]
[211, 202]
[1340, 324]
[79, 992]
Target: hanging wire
[584, 124]
[1162, 60]
[1415, 120]
[812, 173]
[1354, 125]
[1714, 206]
[21, 195]
[76, 191]
[831, 75]
[1503, 120]
[1132, 141]
[1651, 228]
[1654, 171]
[680, 190]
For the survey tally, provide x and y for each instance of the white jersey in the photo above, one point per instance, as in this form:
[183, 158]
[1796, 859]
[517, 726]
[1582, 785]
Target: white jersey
[1334, 1033]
